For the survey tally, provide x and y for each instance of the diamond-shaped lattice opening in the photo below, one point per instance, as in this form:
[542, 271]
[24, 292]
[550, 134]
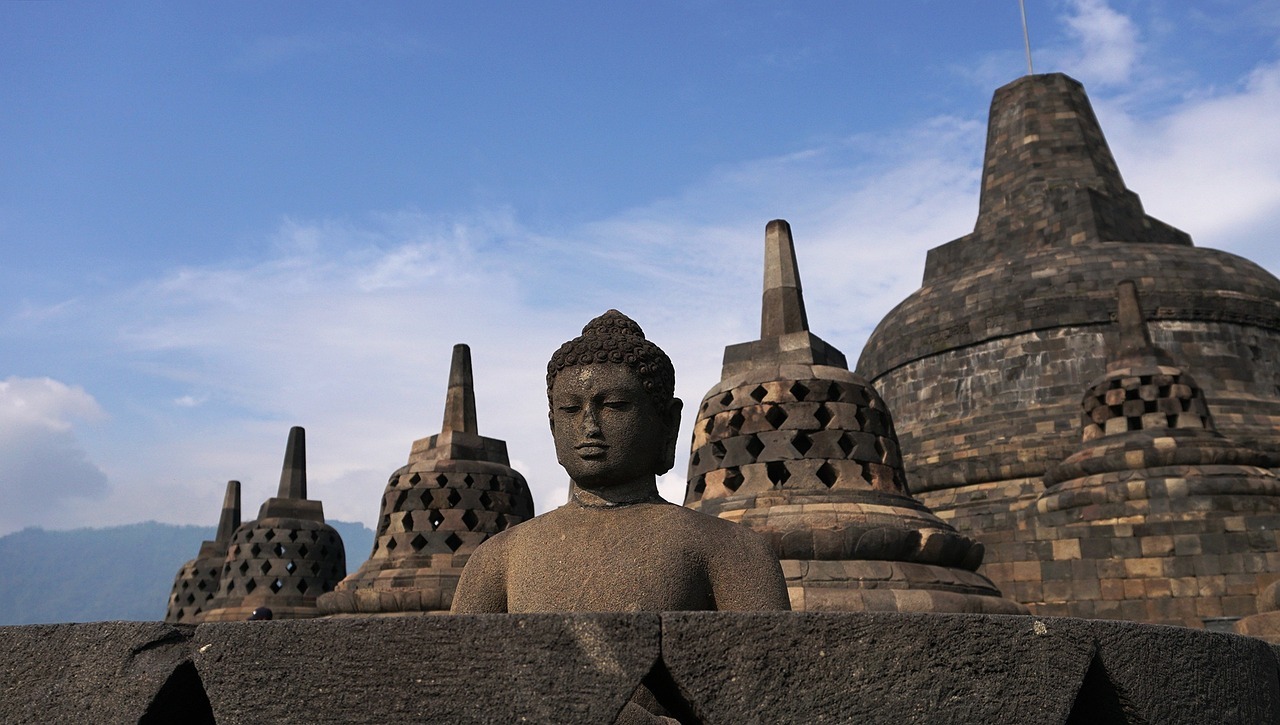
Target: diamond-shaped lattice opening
[244, 567]
[699, 485]
[826, 474]
[293, 535]
[776, 416]
[271, 534]
[735, 422]
[266, 567]
[248, 535]
[291, 567]
[799, 391]
[501, 522]
[823, 415]
[425, 497]
[486, 500]
[802, 443]
[754, 446]
[467, 479]
[199, 585]
[401, 497]
[704, 407]
[777, 472]
[442, 480]
[324, 552]
[726, 399]
[278, 549]
[255, 550]
[249, 586]
[759, 393]
[276, 586]
[453, 542]
[834, 391]
[303, 586]
[470, 519]
[495, 483]
[315, 535]
[436, 518]
[695, 458]
[733, 479]
[415, 479]
[391, 544]
[454, 497]
[231, 585]
[846, 445]
[717, 451]
[315, 565]
[418, 542]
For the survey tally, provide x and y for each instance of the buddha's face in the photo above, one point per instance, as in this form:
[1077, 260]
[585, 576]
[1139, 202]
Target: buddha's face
[607, 429]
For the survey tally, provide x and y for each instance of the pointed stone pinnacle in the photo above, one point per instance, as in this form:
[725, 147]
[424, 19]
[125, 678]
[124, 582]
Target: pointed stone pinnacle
[1133, 339]
[460, 401]
[293, 476]
[782, 311]
[229, 521]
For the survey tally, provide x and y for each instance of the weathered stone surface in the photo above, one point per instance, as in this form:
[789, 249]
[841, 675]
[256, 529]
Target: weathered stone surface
[703, 667]
[197, 581]
[109, 672]
[516, 668]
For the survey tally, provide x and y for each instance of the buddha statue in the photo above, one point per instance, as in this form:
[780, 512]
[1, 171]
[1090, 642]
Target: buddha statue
[616, 545]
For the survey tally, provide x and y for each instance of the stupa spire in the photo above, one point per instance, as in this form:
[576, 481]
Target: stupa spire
[460, 401]
[1132, 344]
[293, 475]
[230, 518]
[782, 311]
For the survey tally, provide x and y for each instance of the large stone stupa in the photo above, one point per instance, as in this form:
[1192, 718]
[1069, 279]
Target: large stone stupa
[456, 491]
[284, 559]
[795, 446]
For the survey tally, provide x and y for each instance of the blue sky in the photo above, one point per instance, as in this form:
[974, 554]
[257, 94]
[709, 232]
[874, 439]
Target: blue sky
[219, 220]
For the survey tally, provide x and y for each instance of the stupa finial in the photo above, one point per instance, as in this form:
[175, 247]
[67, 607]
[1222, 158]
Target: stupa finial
[230, 518]
[783, 304]
[293, 476]
[460, 402]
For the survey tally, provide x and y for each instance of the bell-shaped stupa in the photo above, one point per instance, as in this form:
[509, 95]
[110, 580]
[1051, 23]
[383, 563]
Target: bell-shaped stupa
[197, 580]
[1147, 435]
[456, 491]
[803, 451]
[284, 559]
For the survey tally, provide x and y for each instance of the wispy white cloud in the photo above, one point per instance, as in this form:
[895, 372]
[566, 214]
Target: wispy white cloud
[42, 462]
[1107, 44]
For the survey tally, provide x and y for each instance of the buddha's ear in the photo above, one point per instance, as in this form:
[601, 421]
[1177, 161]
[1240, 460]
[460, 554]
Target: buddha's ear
[671, 419]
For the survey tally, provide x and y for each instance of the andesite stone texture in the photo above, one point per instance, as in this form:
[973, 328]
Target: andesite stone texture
[285, 558]
[197, 581]
[793, 445]
[456, 491]
[983, 367]
[703, 667]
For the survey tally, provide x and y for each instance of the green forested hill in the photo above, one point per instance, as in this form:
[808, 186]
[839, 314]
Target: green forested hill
[121, 572]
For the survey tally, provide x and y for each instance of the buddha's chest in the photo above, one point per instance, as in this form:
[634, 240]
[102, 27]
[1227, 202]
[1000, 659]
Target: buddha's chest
[596, 571]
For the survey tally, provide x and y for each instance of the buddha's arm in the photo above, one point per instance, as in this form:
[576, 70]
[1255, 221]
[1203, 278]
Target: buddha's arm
[745, 574]
[482, 588]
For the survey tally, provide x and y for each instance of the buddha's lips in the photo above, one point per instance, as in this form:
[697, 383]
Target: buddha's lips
[591, 449]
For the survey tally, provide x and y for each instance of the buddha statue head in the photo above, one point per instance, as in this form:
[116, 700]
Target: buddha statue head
[613, 411]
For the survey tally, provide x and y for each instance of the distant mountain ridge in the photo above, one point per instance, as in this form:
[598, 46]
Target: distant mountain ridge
[115, 573]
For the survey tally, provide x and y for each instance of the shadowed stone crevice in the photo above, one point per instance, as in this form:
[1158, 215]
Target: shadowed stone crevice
[181, 699]
[659, 694]
[1100, 702]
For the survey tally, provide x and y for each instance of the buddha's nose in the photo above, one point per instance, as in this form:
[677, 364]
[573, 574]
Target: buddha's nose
[590, 423]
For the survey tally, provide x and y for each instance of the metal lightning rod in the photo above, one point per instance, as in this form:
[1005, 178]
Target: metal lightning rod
[1026, 38]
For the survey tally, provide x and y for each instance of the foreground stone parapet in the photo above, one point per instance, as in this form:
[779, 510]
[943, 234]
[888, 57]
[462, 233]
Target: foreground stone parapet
[703, 667]
[795, 446]
[456, 491]
[286, 558]
[197, 581]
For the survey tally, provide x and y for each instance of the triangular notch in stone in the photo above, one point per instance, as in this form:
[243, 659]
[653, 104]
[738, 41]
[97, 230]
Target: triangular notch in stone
[1100, 701]
[181, 699]
[659, 695]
